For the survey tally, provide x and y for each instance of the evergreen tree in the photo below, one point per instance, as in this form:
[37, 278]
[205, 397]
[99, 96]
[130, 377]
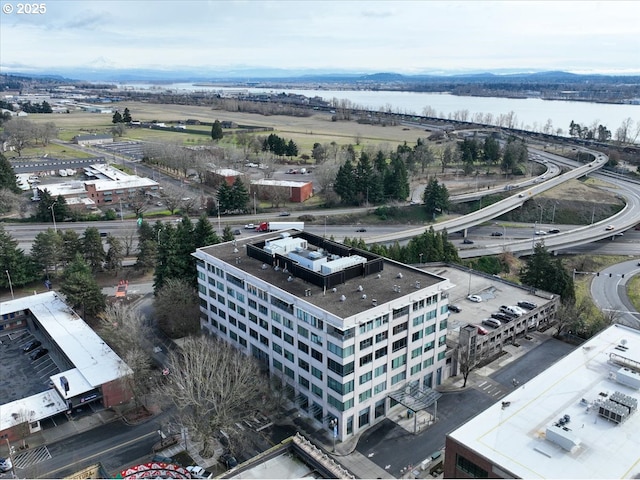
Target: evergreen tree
[46, 250]
[203, 233]
[239, 195]
[114, 256]
[14, 261]
[227, 234]
[117, 117]
[396, 181]
[364, 175]
[491, 150]
[126, 116]
[93, 249]
[292, 149]
[7, 175]
[71, 244]
[542, 271]
[435, 197]
[216, 131]
[147, 252]
[225, 199]
[345, 183]
[81, 290]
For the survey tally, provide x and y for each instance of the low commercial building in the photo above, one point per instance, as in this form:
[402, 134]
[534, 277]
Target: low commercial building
[87, 369]
[577, 419]
[349, 332]
[282, 189]
[93, 139]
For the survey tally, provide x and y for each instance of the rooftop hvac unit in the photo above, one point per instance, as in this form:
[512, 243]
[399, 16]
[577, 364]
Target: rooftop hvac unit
[563, 437]
[627, 377]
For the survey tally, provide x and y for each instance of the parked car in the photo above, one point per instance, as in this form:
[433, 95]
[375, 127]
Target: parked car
[503, 317]
[475, 298]
[454, 308]
[41, 352]
[284, 214]
[496, 234]
[32, 345]
[482, 330]
[466, 241]
[197, 471]
[491, 322]
[228, 460]
[5, 465]
[528, 305]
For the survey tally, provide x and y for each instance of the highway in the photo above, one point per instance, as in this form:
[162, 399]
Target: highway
[610, 292]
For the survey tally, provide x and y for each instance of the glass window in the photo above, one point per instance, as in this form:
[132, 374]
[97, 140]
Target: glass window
[366, 343]
[364, 378]
[399, 361]
[400, 328]
[368, 358]
[381, 370]
[366, 395]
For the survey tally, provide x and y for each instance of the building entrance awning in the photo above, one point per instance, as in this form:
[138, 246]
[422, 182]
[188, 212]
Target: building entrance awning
[415, 398]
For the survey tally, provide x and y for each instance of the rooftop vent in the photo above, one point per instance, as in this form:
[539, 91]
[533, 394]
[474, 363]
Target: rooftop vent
[360, 288]
[334, 289]
[399, 275]
[374, 302]
[264, 266]
[276, 268]
[417, 285]
[290, 279]
[364, 296]
[378, 276]
[342, 298]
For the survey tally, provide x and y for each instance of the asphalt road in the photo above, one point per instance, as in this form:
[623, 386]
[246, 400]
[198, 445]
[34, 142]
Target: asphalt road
[610, 292]
[115, 445]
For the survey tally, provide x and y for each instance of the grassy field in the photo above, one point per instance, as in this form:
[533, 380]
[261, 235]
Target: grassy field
[633, 291]
[304, 131]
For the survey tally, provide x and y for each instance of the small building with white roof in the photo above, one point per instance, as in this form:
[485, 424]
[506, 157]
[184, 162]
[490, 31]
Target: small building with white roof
[89, 370]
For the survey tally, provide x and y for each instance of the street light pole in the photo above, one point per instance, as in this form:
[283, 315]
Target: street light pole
[10, 284]
[53, 216]
[255, 210]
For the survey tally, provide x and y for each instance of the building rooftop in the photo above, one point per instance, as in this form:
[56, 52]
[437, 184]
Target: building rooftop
[33, 408]
[577, 419]
[278, 183]
[393, 281]
[95, 363]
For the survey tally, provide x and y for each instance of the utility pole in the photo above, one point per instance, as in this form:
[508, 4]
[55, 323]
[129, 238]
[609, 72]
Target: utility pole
[53, 216]
[10, 284]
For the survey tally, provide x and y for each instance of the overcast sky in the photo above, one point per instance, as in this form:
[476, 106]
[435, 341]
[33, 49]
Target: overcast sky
[356, 36]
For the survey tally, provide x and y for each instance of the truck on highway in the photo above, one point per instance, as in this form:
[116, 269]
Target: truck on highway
[275, 226]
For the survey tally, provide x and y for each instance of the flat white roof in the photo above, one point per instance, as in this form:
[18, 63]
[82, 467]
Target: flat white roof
[515, 439]
[33, 408]
[278, 183]
[92, 358]
[227, 172]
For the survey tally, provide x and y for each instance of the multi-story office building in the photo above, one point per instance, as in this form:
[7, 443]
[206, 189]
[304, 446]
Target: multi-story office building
[343, 327]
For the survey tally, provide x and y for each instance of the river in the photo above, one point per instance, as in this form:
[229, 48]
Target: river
[530, 113]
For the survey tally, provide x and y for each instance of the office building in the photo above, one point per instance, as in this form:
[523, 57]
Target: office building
[344, 328]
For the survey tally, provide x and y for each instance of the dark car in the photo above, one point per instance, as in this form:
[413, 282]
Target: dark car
[32, 345]
[41, 352]
[284, 214]
[361, 230]
[229, 460]
[554, 230]
[496, 234]
[454, 308]
[528, 305]
[237, 231]
[466, 241]
[503, 317]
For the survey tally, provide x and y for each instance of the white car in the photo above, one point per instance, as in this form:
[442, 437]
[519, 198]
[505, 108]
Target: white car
[198, 472]
[475, 298]
[5, 465]
[540, 232]
[249, 226]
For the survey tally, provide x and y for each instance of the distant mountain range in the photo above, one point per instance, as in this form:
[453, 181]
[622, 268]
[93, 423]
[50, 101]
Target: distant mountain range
[250, 75]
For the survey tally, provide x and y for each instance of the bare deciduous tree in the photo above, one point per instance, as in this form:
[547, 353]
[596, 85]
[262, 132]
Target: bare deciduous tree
[127, 331]
[20, 132]
[214, 386]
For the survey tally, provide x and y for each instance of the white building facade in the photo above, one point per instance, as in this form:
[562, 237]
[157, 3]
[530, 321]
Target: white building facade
[344, 328]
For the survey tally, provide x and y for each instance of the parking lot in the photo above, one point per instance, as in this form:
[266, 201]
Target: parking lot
[22, 376]
[133, 150]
